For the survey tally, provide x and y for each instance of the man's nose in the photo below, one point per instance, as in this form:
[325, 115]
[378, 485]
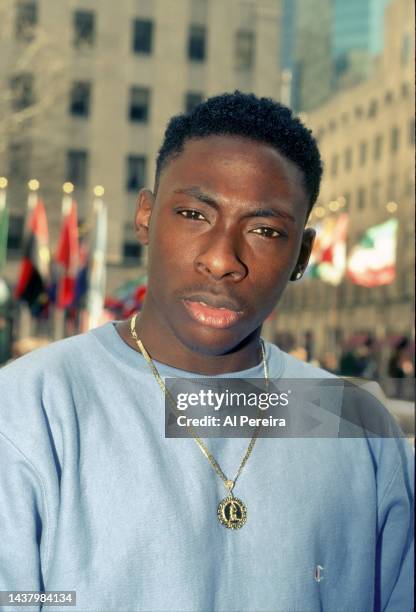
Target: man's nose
[221, 258]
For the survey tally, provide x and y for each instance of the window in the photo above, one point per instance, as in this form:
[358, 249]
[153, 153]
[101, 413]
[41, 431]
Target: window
[405, 49]
[196, 43]
[375, 194]
[363, 152]
[19, 155]
[192, 99]
[404, 284]
[372, 109]
[347, 197]
[348, 158]
[409, 184]
[392, 188]
[320, 134]
[76, 169]
[136, 172]
[15, 233]
[378, 145]
[142, 36]
[394, 139]
[131, 250]
[361, 198]
[26, 20]
[22, 91]
[244, 49]
[139, 104]
[388, 97]
[84, 29]
[334, 165]
[412, 131]
[80, 99]
[131, 247]
[358, 112]
[405, 90]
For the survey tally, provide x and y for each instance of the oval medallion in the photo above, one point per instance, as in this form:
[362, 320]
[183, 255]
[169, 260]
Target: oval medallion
[232, 513]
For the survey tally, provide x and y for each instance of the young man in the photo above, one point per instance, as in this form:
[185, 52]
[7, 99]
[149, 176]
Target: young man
[94, 498]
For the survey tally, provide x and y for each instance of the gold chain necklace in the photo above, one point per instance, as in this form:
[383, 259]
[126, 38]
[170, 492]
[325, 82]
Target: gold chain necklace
[231, 511]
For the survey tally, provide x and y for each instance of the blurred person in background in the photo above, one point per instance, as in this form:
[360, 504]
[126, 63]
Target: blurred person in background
[330, 363]
[366, 358]
[358, 359]
[400, 365]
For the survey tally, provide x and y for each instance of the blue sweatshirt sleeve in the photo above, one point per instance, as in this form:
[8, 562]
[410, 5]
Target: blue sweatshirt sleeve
[394, 571]
[29, 472]
[23, 525]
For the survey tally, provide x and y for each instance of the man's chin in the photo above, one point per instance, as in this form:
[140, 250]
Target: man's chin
[212, 341]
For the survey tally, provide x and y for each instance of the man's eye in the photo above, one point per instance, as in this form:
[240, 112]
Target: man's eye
[192, 214]
[267, 232]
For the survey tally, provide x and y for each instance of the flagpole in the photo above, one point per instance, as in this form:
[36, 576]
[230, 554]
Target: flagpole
[68, 189]
[4, 223]
[3, 187]
[32, 197]
[6, 322]
[97, 275]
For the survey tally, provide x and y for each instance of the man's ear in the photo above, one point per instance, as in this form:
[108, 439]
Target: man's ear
[305, 252]
[144, 208]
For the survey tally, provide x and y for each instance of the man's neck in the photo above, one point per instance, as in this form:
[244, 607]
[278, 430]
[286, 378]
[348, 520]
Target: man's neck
[163, 346]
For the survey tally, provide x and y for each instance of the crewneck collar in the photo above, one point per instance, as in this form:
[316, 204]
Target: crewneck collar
[109, 337]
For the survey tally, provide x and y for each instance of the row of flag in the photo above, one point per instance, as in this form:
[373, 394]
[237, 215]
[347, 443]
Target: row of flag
[370, 263]
[76, 274]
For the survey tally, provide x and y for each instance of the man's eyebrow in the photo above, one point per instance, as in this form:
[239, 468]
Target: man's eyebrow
[269, 212]
[259, 211]
[197, 194]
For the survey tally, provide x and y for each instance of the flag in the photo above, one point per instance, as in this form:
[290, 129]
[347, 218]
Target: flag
[128, 298]
[81, 281]
[373, 261]
[328, 257]
[34, 269]
[97, 266]
[67, 254]
[4, 227]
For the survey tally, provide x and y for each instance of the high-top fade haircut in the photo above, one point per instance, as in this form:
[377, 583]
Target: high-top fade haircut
[246, 115]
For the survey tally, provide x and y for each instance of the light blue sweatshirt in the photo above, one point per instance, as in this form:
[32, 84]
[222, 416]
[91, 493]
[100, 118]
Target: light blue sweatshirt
[94, 498]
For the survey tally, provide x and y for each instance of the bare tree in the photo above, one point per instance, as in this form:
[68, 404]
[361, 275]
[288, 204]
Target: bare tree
[33, 88]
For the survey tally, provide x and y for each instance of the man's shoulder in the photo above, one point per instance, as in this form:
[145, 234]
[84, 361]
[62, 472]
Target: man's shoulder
[292, 367]
[57, 356]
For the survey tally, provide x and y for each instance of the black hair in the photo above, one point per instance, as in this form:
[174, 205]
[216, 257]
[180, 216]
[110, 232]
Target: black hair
[246, 115]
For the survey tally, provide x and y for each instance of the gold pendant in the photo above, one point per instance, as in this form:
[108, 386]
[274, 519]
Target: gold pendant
[232, 513]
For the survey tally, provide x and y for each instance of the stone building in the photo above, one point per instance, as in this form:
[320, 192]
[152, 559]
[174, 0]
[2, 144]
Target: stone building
[366, 136]
[92, 85]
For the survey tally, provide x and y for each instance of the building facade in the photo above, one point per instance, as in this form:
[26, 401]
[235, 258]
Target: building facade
[367, 140]
[92, 84]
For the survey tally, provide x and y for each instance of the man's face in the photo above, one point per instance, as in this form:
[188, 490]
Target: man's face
[225, 233]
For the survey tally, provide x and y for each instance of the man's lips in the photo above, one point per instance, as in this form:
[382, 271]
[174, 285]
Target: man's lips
[213, 311]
